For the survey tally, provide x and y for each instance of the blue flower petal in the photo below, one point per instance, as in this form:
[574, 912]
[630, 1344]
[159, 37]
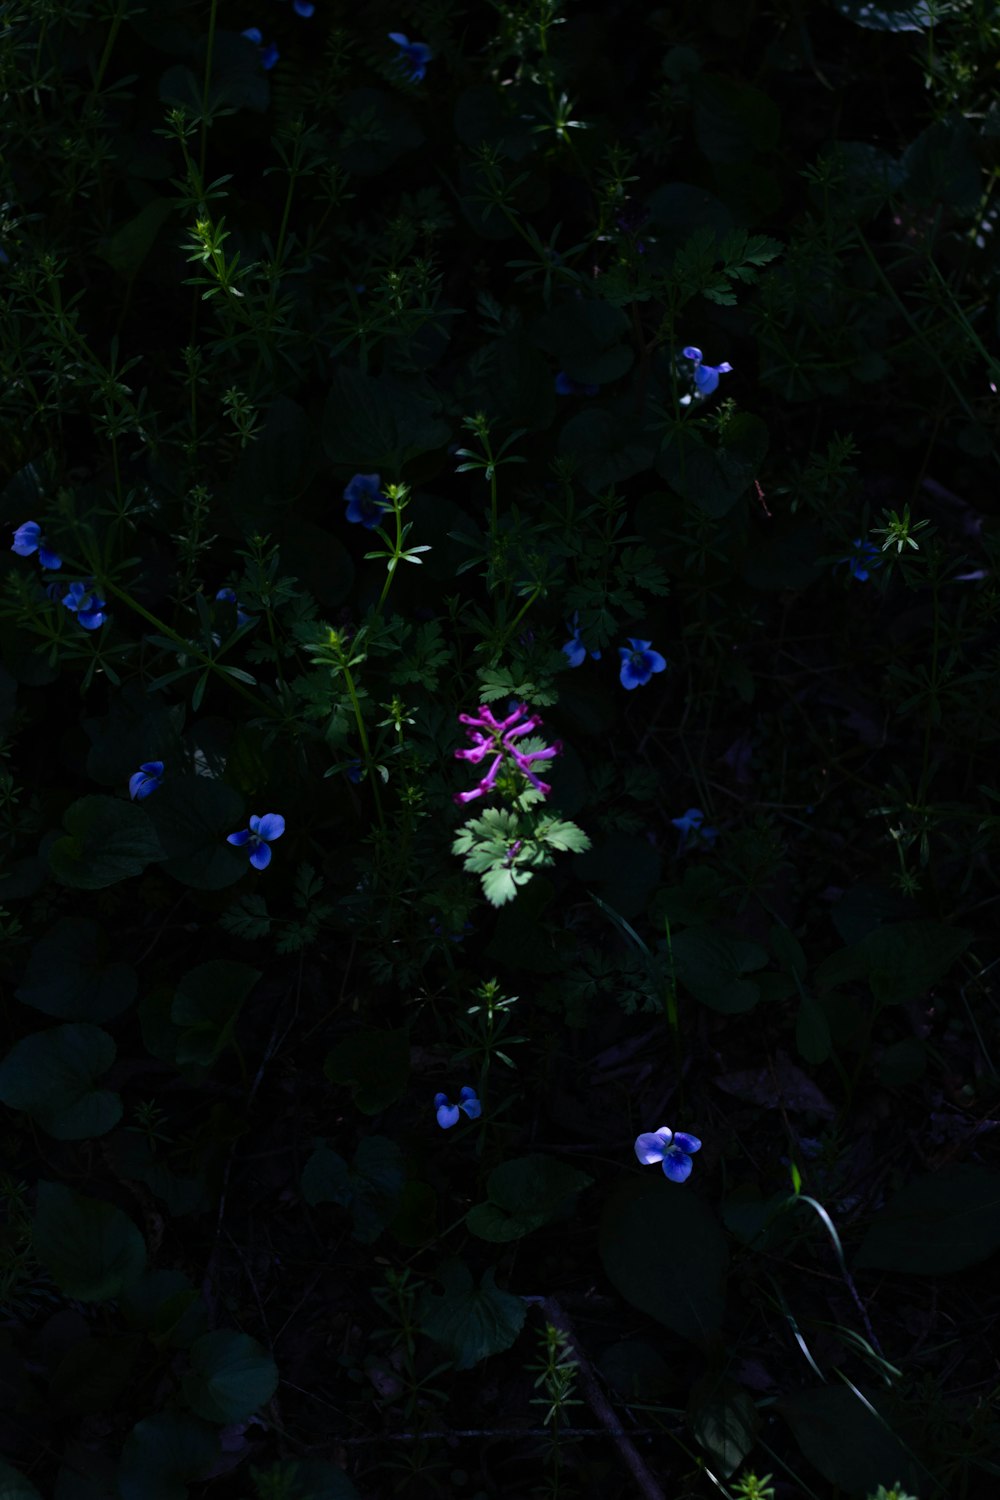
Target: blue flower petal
[688, 1143]
[260, 857]
[447, 1115]
[271, 826]
[241, 838]
[677, 1166]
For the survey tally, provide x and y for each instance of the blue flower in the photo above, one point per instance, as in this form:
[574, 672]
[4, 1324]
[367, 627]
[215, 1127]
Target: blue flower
[28, 539]
[673, 1151]
[228, 596]
[692, 830]
[706, 377]
[303, 8]
[262, 832]
[866, 555]
[355, 772]
[268, 55]
[414, 53]
[86, 605]
[447, 1113]
[574, 648]
[566, 386]
[365, 502]
[146, 780]
[639, 663]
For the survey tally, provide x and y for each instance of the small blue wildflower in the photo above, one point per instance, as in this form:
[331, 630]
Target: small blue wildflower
[262, 832]
[414, 53]
[447, 1113]
[303, 8]
[673, 1151]
[28, 539]
[639, 663]
[86, 605]
[566, 386]
[365, 502]
[693, 830]
[268, 55]
[706, 377]
[355, 772]
[146, 780]
[866, 555]
[228, 596]
[574, 648]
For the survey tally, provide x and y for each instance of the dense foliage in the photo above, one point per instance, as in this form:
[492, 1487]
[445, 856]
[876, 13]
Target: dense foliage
[499, 706]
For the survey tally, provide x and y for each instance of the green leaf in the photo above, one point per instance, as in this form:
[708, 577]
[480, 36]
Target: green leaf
[162, 1454]
[67, 975]
[91, 1249]
[665, 1252]
[625, 869]
[588, 339]
[14, 1485]
[900, 960]
[127, 248]
[712, 966]
[193, 816]
[725, 1425]
[937, 1224]
[305, 1479]
[524, 1194]
[846, 1442]
[206, 1005]
[165, 1306]
[470, 1323]
[379, 422]
[108, 840]
[371, 1188]
[812, 1031]
[230, 1378]
[732, 120]
[609, 444]
[888, 15]
[942, 166]
[50, 1075]
[374, 1064]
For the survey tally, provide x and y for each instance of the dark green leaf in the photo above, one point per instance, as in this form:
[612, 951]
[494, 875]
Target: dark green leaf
[206, 1005]
[937, 1224]
[524, 1194]
[371, 1188]
[230, 1378]
[712, 966]
[374, 1064]
[725, 1424]
[108, 840]
[665, 1252]
[91, 1249]
[471, 1323]
[68, 975]
[193, 816]
[162, 1454]
[847, 1442]
[51, 1075]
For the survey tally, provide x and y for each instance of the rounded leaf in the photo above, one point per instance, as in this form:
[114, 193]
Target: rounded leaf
[91, 1249]
[230, 1376]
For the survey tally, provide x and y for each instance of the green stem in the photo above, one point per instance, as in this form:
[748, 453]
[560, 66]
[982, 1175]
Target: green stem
[363, 737]
[210, 48]
[191, 650]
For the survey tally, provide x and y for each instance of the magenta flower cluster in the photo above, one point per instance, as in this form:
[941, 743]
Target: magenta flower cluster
[494, 739]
